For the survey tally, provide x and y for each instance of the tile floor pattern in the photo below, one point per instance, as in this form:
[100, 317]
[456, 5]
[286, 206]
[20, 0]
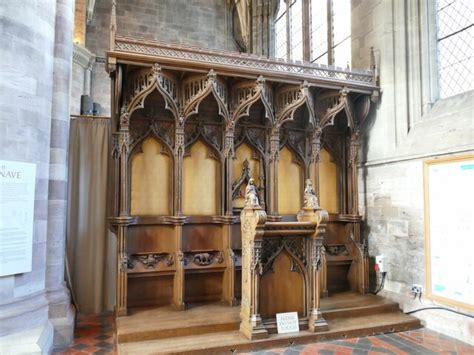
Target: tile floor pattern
[94, 334]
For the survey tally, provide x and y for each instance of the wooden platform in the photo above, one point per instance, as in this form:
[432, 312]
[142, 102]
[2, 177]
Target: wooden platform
[213, 328]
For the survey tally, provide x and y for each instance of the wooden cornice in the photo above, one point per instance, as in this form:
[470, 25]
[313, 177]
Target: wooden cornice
[188, 58]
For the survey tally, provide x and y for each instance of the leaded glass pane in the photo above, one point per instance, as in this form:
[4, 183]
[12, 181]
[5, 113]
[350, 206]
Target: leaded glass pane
[280, 31]
[455, 46]
[342, 32]
[319, 31]
[296, 30]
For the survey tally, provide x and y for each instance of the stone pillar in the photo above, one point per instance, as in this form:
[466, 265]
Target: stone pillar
[61, 313]
[82, 65]
[26, 79]
[35, 55]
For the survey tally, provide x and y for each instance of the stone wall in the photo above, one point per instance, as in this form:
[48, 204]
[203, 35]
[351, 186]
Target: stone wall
[409, 125]
[35, 43]
[198, 22]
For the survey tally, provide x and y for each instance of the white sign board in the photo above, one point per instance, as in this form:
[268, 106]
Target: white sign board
[17, 199]
[450, 201]
[287, 322]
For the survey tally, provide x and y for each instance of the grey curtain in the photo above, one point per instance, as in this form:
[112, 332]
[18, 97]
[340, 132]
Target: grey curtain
[90, 246]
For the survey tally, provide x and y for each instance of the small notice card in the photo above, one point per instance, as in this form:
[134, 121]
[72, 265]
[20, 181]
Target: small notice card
[287, 322]
[17, 200]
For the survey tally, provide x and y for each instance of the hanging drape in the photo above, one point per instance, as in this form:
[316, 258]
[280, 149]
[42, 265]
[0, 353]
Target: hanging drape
[90, 246]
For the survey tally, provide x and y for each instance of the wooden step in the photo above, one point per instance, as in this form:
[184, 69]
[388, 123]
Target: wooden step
[165, 322]
[225, 342]
[347, 304]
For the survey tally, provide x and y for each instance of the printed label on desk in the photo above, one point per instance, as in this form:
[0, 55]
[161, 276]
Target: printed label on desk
[287, 322]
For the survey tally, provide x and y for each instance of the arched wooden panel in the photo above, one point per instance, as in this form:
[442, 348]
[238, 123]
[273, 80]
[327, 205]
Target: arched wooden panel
[151, 191]
[282, 288]
[201, 181]
[243, 152]
[290, 182]
[329, 197]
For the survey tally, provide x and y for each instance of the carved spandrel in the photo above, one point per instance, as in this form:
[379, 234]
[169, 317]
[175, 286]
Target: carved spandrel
[296, 140]
[272, 247]
[211, 133]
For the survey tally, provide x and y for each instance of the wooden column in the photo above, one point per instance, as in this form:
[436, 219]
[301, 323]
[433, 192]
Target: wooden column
[178, 218]
[316, 322]
[252, 220]
[121, 152]
[229, 219]
[228, 287]
[178, 280]
[315, 155]
[273, 173]
[352, 176]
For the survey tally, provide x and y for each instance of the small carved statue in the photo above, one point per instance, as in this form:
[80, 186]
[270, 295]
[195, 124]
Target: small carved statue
[310, 198]
[251, 194]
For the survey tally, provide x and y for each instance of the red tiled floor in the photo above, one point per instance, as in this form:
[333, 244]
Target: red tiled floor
[94, 334]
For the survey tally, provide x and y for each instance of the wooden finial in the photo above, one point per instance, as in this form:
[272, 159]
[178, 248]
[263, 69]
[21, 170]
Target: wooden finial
[251, 195]
[310, 198]
[373, 65]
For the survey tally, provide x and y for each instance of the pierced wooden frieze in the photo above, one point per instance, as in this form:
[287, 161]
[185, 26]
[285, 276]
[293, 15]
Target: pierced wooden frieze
[272, 247]
[296, 139]
[150, 262]
[209, 132]
[204, 259]
[164, 130]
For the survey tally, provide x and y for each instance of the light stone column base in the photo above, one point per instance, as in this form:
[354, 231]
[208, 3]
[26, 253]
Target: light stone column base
[37, 340]
[64, 328]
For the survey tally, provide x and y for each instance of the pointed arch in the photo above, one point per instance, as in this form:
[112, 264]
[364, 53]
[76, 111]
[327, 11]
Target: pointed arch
[247, 93]
[327, 106]
[197, 87]
[145, 81]
[290, 98]
[283, 265]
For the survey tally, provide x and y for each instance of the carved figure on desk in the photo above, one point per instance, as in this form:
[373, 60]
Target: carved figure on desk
[310, 198]
[251, 194]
